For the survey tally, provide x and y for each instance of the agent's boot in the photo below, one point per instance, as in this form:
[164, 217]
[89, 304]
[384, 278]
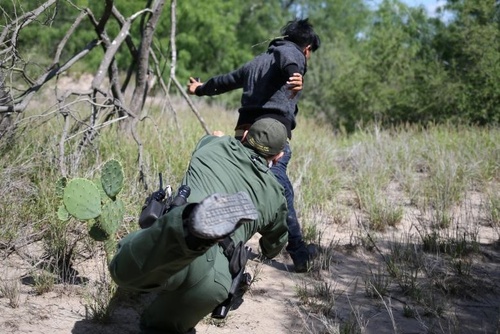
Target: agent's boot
[216, 217]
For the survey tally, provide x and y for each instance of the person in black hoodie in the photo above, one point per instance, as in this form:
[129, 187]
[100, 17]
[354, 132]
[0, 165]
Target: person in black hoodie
[272, 84]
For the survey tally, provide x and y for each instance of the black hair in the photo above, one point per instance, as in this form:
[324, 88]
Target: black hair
[301, 32]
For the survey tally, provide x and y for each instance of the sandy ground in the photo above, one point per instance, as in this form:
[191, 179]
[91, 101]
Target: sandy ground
[273, 304]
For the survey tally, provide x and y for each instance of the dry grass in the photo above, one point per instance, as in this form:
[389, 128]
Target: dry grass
[420, 207]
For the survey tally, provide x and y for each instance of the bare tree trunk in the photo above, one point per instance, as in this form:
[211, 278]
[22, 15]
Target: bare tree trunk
[140, 91]
[173, 45]
[141, 83]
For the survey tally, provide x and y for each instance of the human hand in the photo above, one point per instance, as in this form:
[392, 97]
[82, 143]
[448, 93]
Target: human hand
[295, 84]
[192, 85]
[218, 133]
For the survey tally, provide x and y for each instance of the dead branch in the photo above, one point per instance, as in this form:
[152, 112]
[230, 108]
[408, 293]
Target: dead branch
[173, 44]
[168, 101]
[66, 37]
[130, 44]
[191, 104]
[111, 51]
[140, 91]
[108, 104]
[141, 86]
[62, 164]
[113, 74]
[5, 119]
[78, 56]
[105, 17]
[21, 22]
[128, 40]
[26, 96]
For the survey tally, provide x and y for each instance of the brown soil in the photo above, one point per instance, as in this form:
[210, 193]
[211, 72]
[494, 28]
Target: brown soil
[468, 303]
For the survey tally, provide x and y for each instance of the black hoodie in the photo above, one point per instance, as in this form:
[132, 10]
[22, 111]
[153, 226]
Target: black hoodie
[263, 79]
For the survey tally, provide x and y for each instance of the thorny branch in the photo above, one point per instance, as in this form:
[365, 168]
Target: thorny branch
[68, 34]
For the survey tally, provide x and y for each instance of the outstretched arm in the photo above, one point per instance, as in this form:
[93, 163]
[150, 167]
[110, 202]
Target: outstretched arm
[217, 85]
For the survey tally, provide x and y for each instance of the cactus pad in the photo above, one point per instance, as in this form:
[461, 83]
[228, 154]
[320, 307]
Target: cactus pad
[62, 213]
[82, 200]
[103, 194]
[112, 178]
[112, 216]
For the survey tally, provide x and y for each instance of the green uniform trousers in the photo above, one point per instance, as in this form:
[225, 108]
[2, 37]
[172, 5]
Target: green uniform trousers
[189, 284]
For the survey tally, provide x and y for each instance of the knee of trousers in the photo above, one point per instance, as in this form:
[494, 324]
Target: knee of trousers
[180, 310]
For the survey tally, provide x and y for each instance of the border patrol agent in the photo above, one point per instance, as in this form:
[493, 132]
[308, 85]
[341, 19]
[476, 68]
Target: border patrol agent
[180, 256]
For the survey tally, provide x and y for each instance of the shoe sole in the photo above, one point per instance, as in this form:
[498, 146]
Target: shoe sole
[218, 215]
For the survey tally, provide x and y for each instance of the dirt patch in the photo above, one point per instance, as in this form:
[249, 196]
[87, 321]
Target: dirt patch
[281, 301]
[411, 278]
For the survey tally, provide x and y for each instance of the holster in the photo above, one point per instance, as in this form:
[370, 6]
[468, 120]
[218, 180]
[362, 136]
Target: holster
[238, 257]
[151, 213]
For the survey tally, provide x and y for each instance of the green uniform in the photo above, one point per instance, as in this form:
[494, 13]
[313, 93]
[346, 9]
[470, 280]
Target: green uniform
[191, 284]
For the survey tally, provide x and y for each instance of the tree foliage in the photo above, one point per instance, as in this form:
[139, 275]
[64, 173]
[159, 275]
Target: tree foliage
[388, 64]
[470, 44]
[404, 66]
[395, 72]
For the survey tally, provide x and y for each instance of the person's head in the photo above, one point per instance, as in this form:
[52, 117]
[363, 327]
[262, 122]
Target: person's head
[301, 32]
[267, 137]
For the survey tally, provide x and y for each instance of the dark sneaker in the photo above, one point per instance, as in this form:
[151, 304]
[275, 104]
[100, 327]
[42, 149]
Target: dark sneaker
[302, 257]
[313, 251]
[219, 215]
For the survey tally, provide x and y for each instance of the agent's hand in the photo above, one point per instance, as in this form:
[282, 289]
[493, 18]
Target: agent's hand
[192, 85]
[218, 133]
[295, 84]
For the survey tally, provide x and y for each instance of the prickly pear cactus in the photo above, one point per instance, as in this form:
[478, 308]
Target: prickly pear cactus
[98, 184]
[112, 216]
[62, 213]
[82, 200]
[95, 202]
[112, 178]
